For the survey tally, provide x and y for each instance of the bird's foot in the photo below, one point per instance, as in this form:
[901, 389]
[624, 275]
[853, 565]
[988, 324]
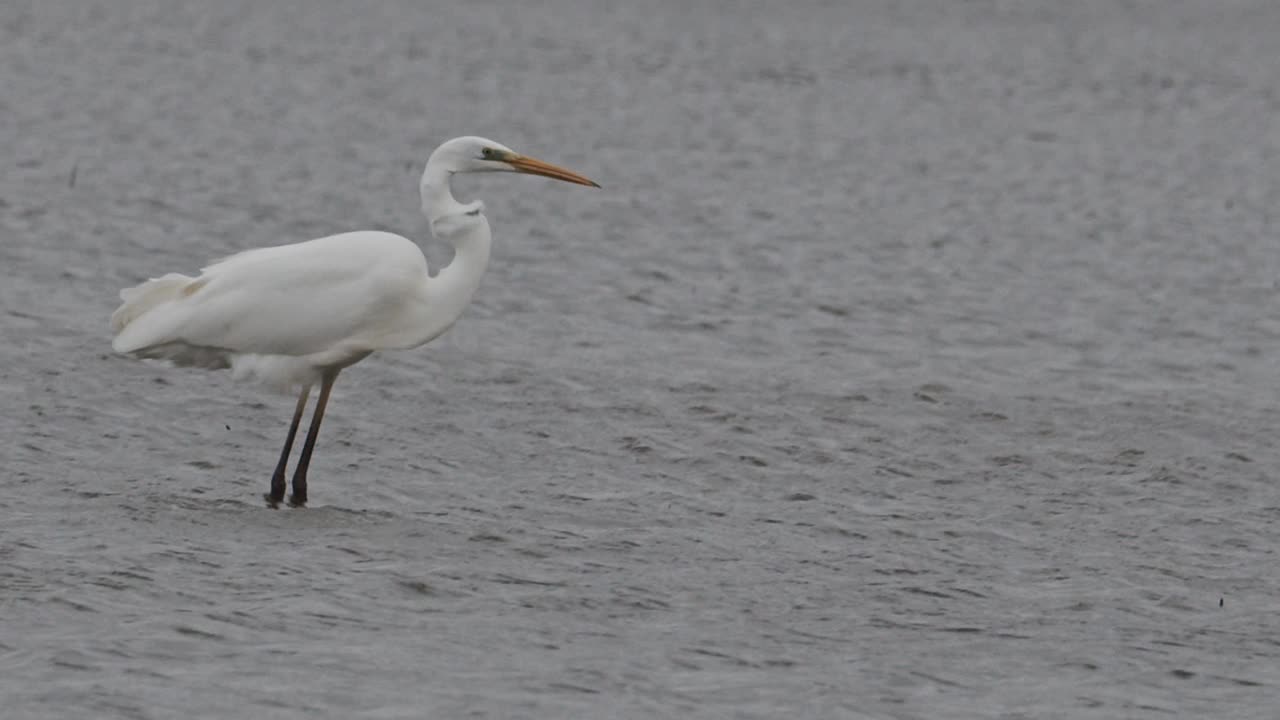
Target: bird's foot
[297, 501]
[272, 501]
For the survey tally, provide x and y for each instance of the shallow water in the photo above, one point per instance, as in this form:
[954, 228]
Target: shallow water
[916, 360]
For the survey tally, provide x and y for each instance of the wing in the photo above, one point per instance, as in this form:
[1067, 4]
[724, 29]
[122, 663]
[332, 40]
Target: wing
[312, 298]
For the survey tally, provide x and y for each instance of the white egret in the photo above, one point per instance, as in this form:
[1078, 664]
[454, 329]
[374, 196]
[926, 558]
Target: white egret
[295, 315]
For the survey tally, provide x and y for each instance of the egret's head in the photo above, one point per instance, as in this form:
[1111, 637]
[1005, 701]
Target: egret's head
[477, 154]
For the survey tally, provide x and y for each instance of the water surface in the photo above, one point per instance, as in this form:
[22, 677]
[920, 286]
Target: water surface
[916, 360]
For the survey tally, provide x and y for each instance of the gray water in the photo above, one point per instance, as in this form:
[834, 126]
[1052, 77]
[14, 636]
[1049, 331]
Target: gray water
[917, 360]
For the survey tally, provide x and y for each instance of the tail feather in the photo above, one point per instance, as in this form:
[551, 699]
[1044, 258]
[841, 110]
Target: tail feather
[154, 321]
[140, 299]
[149, 322]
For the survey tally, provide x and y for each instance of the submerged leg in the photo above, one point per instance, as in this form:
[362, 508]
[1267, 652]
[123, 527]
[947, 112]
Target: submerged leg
[277, 479]
[298, 497]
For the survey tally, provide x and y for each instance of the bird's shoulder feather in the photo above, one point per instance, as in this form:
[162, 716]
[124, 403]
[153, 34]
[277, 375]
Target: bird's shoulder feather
[311, 297]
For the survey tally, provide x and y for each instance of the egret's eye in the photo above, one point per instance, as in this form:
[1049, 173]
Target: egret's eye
[487, 153]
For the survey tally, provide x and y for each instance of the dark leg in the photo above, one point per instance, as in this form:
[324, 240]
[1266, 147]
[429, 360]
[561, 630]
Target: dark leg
[277, 480]
[299, 496]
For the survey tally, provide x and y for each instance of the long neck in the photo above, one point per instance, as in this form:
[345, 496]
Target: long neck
[437, 194]
[465, 227]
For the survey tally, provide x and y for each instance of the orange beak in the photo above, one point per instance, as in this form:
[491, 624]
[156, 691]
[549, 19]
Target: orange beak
[533, 166]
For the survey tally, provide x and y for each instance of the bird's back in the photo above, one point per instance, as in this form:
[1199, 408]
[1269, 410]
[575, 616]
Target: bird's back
[276, 314]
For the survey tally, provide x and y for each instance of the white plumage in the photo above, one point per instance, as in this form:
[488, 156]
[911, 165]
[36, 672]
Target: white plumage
[294, 315]
[281, 315]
